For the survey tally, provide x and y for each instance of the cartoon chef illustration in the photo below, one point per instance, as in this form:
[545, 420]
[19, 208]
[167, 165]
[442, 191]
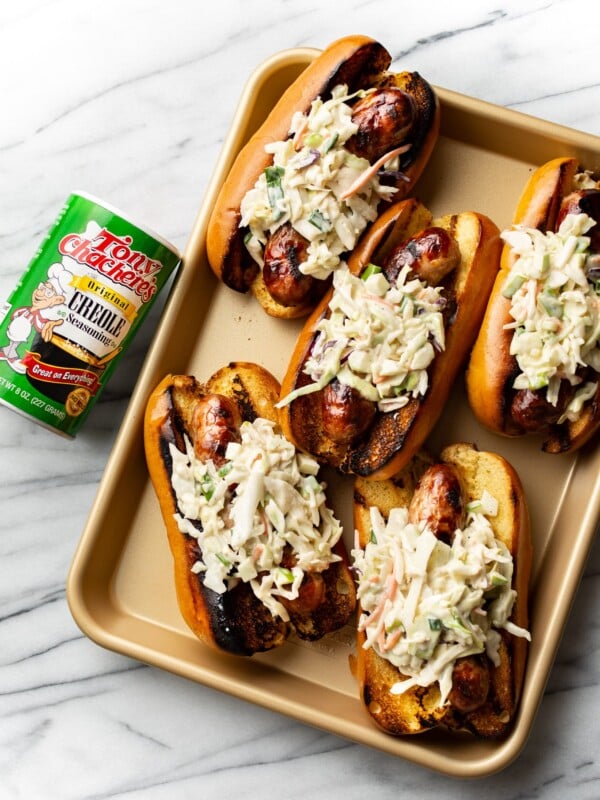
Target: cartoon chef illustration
[42, 316]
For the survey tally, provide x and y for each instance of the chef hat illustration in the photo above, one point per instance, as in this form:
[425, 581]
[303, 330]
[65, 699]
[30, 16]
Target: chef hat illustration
[60, 278]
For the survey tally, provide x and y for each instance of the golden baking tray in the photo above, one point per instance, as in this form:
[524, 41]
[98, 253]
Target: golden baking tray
[120, 587]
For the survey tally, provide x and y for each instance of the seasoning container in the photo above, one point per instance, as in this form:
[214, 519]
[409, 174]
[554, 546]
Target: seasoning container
[76, 309]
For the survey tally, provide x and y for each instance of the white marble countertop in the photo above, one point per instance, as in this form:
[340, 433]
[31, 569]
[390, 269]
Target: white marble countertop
[131, 101]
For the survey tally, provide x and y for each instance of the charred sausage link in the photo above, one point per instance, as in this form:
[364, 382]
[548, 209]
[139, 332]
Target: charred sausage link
[431, 255]
[284, 252]
[470, 683]
[384, 118]
[345, 413]
[216, 421]
[310, 595]
[533, 413]
[438, 501]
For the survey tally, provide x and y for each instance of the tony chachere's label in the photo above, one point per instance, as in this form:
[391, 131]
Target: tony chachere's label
[76, 309]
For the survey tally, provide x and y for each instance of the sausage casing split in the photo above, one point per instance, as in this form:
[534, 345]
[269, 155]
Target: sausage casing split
[384, 118]
[284, 252]
[470, 684]
[346, 414]
[431, 255]
[216, 421]
[438, 501]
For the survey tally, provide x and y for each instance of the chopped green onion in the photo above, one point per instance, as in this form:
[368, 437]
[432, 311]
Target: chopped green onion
[225, 469]
[355, 162]
[370, 269]
[331, 142]
[434, 624]
[396, 625]
[512, 285]
[313, 140]
[320, 221]
[538, 382]
[207, 487]
[409, 384]
[273, 177]
[287, 574]
[225, 561]
[551, 305]
[372, 537]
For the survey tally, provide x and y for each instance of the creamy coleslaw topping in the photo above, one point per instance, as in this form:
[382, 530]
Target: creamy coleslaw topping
[307, 186]
[378, 337]
[426, 603]
[266, 497]
[555, 306]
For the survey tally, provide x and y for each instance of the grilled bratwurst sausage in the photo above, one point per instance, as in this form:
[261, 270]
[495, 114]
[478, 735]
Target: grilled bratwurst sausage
[284, 252]
[346, 414]
[384, 118]
[431, 256]
[215, 423]
[470, 683]
[438, 501]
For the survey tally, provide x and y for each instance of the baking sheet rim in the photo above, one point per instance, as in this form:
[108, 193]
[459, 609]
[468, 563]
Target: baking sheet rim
[128, 438]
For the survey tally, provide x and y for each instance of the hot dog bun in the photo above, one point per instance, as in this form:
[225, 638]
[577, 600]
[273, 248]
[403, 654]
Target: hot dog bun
[393, 437]
[417, 709]
[358, 62]
[492, 368]
[234, 621]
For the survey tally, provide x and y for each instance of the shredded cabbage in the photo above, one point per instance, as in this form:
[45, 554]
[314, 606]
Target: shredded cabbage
[378, 338]
[555, 309]
[243, 514]
[426, 603]
[307, 186]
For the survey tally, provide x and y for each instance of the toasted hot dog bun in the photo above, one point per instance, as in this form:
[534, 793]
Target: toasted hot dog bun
[492, 369]
[394, 437]
[235, 621]
[417, 709]
[356, 61]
